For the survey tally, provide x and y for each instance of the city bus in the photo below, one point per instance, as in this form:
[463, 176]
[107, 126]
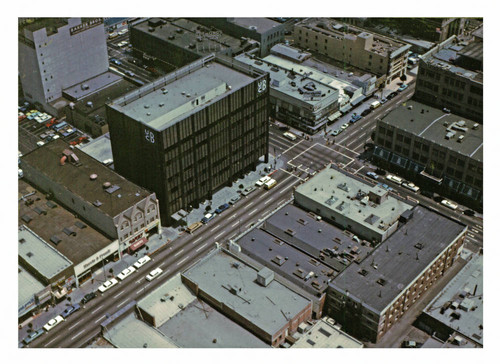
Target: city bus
[290, 135]
[193, 227]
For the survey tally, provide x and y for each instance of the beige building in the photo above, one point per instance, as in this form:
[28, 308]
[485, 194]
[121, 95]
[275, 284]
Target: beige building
[353, 46]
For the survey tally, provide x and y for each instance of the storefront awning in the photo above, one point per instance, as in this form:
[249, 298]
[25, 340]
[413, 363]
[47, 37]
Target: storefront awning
[138, 244]
[335, 115]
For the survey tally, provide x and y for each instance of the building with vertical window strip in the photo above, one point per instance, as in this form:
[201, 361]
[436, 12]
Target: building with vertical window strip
[193, 131]
[440, 151]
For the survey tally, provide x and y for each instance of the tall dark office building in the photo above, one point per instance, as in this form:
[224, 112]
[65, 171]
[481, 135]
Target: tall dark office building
[193, 131]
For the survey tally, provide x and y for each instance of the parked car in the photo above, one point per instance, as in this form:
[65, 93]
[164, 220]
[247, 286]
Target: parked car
[366, 112]
[395, 179]
[262, 181]
[411, 186]
[107, 285]
[40, 143]
[344, 126]
[383, 100]
[222, 208]
[126, 272]
[69, 310]
[207, 218]
[130, 73]
[31, 337]
[403, 87]
[88, 297]
[142, 261]
[153, 274]
[449, 204]
[469, 212]
[53, 323]
[355, 118]
[372, 175]
[385, 187]
[248, 191]
[234, 200]
[115, 61]
[411, 344]
[336, 132]
[392, 95]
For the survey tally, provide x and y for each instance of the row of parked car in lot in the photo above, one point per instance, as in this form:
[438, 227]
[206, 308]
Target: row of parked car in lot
[90, 296]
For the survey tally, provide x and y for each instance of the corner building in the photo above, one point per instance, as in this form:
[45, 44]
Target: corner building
[192, 131]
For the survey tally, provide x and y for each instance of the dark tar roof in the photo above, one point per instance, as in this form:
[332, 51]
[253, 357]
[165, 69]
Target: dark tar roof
[313, 236]
[396, 259]
[76, 179]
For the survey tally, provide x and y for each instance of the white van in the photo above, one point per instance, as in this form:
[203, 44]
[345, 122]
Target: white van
[270, 184]
[375, 104]
[394, 179]
[290, 135]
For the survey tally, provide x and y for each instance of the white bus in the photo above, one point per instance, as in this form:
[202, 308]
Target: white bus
[290, 135]
[270, 184]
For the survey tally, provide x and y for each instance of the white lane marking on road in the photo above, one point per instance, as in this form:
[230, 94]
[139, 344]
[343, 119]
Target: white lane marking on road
[118, 294]
[182, 261]
[253, 212]
[75, 324]
[201, 247]
[179, 252]
[293, 146]
[250, 204]
[99, 319]
[291, 174]
[51, 341]
[220, 234]
[286, 188]
[265, 203]
[81, 332]
[262, 196]
[124, 302]
[215, 228]
[138, 281]
[97, 309]
[197, 240]
[236, 223]
[298, 155]
[232, 216]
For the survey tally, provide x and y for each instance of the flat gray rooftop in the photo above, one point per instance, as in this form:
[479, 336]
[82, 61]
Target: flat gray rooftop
[340, 194]
[184, 95]
[287, 261]
[466, 290]
[198, 325]
[291, 52]
[395, 260]
[99, 148]
[318, 238]
[133, 333]
[92, 85]
[293, 84]
[268, 308]
[262, 24]
[27, 286]
[324, 335]
[40, 255]
[429, 125]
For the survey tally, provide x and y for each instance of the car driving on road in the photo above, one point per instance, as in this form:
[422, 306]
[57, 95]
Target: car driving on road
[142, 261]
[153, 274]
[53, 323]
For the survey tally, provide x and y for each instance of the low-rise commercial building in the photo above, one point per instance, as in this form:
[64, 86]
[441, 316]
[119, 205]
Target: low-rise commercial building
[86, 249]
[174, 43]
[264, 30]
[114, 206]
[325, 334]
[438, 150]
[31, 293]
[459, 307]
[251, 298]
[297, 99]
[351, 45]
[369, 212]
[367, 299]
[450, 75]
[192, 131]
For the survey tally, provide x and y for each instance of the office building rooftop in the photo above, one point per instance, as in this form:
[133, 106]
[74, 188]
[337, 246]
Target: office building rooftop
[293, 84]
[292, 53]
[369, 206]
[460, 304]
[183, 92]
[439, 127]
[399, 260]
[324, 334]
[40, 255]
[109, 192]
[259, 25]
[99, 149]
[234, 284]
[27, 286]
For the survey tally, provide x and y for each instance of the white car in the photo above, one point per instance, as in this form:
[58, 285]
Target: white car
[153, 274]
[394, 179]
[344, 126]
[449, 204]
[107, 285]
[142, 261]
[53, 323]
[126, 272]
[40, 143]
[262, 181]
[411, 186]
[123, 31]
